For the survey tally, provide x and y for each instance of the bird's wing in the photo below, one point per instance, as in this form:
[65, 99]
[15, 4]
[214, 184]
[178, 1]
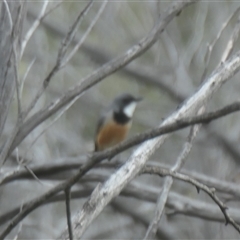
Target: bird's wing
[99, 126]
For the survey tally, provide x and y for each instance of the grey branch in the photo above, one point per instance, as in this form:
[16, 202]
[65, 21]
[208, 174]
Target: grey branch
[7, 19]
[198, 185]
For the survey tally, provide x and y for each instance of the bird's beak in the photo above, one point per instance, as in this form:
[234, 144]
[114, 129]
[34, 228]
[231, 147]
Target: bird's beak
[139, 99]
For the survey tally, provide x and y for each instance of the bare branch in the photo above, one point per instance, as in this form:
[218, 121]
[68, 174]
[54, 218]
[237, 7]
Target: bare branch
[72, 33]
[68, 212]
[15, 66]
[33, 174]
[11, 77]
[198, 185]
[9, 13]
[81, 41]
[33, 27]
[213, 43]
[231, 42]
[25, 77]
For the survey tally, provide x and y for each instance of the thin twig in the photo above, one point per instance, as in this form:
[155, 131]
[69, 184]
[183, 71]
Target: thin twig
[231, 42]
[81, 41]
[15, 66]
[198, 185]
[33, 27]
[20, 227]
[25, 77]
[72, 33]
[14, 39]
[33, 174]
[68, 212]
[54, 7]
[211, 45]
[9, 14]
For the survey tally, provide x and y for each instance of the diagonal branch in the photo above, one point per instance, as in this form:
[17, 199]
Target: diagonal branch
[232, 41]
[83, 38]
[33, 27]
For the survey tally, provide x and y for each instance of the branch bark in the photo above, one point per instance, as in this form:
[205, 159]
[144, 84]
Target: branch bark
[8, 16]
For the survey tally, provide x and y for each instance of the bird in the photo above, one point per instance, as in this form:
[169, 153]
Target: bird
[115, 121]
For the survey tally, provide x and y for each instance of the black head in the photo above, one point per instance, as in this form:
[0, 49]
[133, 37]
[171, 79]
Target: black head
[124, 106]
[123, 101]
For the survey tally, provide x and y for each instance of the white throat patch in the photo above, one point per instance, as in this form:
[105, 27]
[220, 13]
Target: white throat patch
[129, 109]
